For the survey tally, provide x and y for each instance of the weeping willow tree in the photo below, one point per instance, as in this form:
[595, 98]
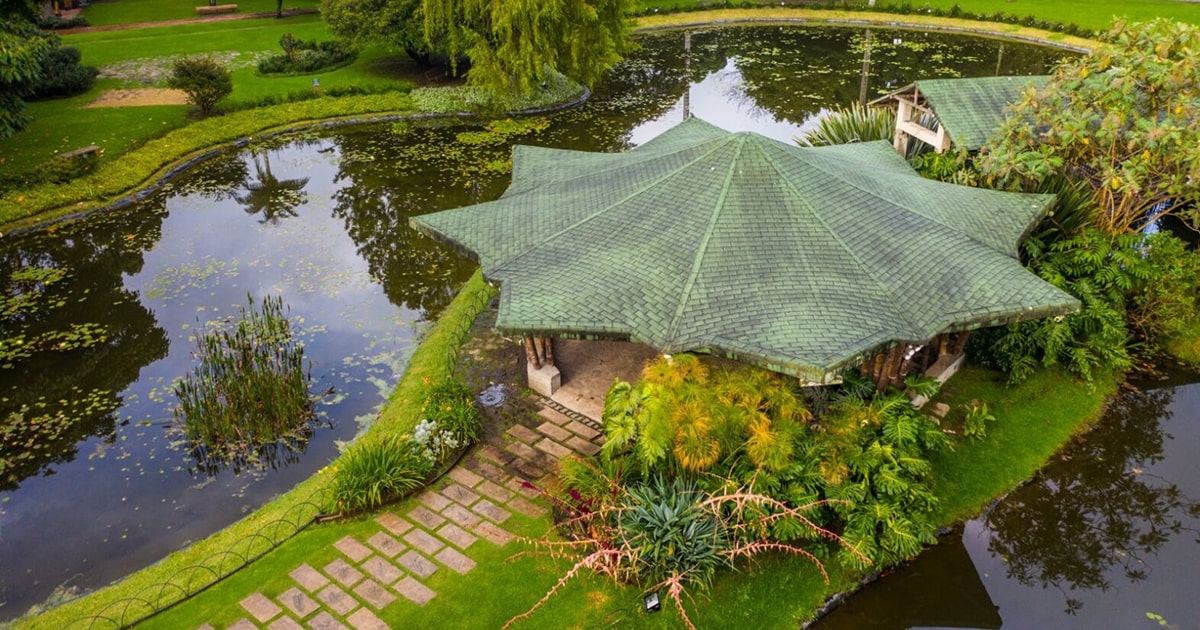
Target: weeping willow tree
[513, 46]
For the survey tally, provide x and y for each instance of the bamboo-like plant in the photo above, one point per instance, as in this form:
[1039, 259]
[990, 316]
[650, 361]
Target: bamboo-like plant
[248, 394]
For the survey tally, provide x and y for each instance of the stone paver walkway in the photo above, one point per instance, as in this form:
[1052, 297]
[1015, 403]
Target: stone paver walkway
[461, 512]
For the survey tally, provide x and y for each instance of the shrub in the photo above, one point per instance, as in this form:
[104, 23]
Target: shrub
[203, 79]
[305, 57]
[1169, 303]
[451, 405]
[975, 422]
[54, 22]
[62, 75]
[855, 123]
[374, 472]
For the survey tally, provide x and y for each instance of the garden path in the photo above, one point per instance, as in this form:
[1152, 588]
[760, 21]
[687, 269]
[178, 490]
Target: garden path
[465, 510]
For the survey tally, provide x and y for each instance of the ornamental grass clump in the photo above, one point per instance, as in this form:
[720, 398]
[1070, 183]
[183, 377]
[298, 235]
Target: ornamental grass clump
[248, 394]
[374, 472]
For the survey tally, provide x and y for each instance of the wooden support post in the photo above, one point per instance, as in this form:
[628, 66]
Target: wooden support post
[885, 374]
[531, 354]
[943, 341]
[960, 343]
[548, 350]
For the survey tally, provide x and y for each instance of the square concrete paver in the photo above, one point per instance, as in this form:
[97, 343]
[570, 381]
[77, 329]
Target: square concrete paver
[260, 607]
[366, 620]
[285, 623]
[582, 430]
[337, 600]
[491, 511]
[353, 549]
[457, 535]
[386, 545]
[524, 487]
[454, 559]
[554, 432]
[242, 624]
[523, 451]
[308, 578]
[326, 621]
[296, 601]
[426, 518]
[494, 491]
[381, 570]
[342, 572]
[461, 515]
[424, 541]
[553, 415]
[582, 446]
[393, 523]
[488, 469]
[460, 494]
[524, 433]
[414, 591]
[552, 448]
[374, 594]
[417, 564]
[526, 507]
[432, 499]
[494, 533]
[464, 476]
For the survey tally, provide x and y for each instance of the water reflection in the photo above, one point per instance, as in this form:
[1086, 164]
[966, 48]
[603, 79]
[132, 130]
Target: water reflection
[1104, 534]
[323, 221]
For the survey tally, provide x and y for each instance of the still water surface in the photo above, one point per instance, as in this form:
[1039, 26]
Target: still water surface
[322, 220]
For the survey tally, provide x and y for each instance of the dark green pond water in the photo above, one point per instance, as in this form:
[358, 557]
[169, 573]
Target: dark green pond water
[94, 481]
[1105, 534]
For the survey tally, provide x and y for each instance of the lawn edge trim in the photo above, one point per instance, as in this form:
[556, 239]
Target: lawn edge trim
[399, 414]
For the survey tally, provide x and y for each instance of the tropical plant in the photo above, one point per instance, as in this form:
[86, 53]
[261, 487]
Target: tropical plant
[1121, 119]
[873, 464]
[249, 389]
[376, 471]
[856, 123]
[976, 419]
[1168, 304]
[273, 197]
[203, 79]
[1100, 270]
[672, 535]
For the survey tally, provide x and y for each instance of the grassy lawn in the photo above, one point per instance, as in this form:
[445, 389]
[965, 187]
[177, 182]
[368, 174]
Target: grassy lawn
[1096, 15]
[136, 11]
[65, 124]
[1034, 420]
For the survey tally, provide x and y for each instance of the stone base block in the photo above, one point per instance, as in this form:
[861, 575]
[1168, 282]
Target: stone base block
[544, 381]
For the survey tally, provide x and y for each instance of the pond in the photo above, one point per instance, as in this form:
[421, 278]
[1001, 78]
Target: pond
[100, 314]
[1104, 535]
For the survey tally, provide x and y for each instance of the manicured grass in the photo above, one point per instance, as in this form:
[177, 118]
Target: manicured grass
[1086, 13]
[1034, 419]
[400, 415]
[105, 47]
[138, 11]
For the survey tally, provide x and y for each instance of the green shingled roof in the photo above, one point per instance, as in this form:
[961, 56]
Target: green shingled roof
[971, 109]
[802, 260]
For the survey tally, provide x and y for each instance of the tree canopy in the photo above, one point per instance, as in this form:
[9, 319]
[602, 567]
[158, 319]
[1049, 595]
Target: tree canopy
[399, 24]
[1123, 118]
[22, 49]
[513, 45]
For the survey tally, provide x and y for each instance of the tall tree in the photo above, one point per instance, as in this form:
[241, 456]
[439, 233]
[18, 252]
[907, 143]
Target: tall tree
[399, 24]
[1123, 119]
[22, 49]
[513, 45]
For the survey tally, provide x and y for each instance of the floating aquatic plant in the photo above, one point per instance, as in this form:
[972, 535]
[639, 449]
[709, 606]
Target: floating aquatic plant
[247, 402]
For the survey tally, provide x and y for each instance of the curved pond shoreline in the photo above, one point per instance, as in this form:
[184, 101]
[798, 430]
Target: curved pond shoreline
[83, 204]
[338, 123]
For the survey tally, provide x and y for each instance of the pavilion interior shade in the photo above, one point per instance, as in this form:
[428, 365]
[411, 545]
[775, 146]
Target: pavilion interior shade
[802, 260]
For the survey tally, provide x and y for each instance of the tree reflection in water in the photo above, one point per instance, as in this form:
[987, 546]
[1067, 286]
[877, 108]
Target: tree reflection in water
[273, 197]
[1096, 513]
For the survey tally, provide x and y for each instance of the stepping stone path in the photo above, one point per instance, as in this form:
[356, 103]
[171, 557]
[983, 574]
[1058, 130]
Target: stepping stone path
[465, 509]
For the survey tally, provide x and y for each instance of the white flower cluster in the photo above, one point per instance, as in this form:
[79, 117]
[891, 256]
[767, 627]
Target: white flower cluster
[435, 442]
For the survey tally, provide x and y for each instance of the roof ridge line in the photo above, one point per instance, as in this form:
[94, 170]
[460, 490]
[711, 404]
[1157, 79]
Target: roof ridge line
[650, 184]
[1015, 253]
[708, 232]
[836, 237]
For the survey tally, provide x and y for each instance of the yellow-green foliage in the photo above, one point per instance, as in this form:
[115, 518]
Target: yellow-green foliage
[682, 416]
